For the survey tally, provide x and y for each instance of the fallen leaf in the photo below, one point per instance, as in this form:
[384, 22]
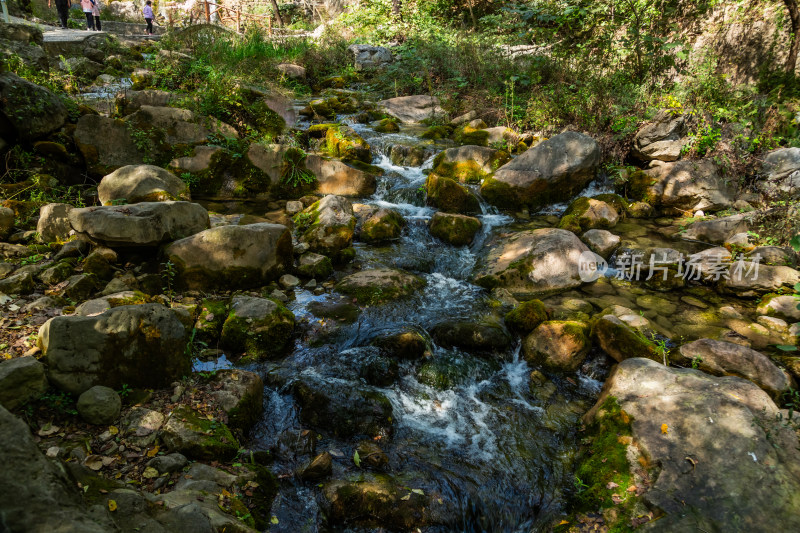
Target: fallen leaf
[48, 429]
[112, 505]
[632, 488]
[664, 429]
[357, 459]
[113, 430]
[150, 473]
[94, 462]
[611, 485]
[406, 497]
[418, 491]
[563, 523]
[153, 452]
[274, 519]
[617, 499]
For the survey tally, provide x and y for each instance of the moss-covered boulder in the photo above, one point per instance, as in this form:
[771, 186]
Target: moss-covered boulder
[650, 415]
[387, 125]
[471, 136]
[784, 306]
[259, 327]
[588, 213]
[558, 345]
[469, 164]
[383, 225]
[197, 436]
[450, 196]
[221, 173]
[526, 316]
[436, 133]
[458, 230]
[449, 370]
[327, 226]
[487, 335]
[369, 287]
[621, 342]
[345, 143]
[321, 108]
[342, 409]
[314, 266]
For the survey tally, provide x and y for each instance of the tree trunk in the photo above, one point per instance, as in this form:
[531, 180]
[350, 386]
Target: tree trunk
[794, 15]
[277, 13]
[397, 7]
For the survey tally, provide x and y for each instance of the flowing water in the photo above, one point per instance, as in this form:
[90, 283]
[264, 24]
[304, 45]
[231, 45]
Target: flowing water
[495, 449]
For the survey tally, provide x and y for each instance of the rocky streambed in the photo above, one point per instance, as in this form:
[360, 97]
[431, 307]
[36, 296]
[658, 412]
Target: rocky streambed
[385, 325]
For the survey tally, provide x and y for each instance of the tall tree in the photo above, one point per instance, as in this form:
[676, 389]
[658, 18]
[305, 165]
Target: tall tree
[277, 13]
[794, 15]
[397, 6]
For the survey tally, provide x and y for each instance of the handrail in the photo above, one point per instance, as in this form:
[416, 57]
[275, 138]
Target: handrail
[226, 16]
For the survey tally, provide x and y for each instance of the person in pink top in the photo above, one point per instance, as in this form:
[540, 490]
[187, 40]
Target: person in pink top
[148, 16]
[87, 6]
[96, 14]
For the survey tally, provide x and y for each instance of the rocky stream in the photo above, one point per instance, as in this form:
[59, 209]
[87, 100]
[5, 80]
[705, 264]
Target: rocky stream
[383, 325]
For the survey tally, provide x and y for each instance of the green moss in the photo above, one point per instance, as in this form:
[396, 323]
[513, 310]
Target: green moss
[216, 442]
[472, 136]
[227, 167]
[603, 460]
[570, 223]
[464, 171]
[260, 503]
[456, 230]
[637, 185]
[262, 338]
[345, 143]
[383, 228]
[318, 131]
[436, 133]
[451, 370]
[500, 194]
[450, 196]
[387, 125]
[365, 167]
[615, 200]
[211, 317]
[526, 316]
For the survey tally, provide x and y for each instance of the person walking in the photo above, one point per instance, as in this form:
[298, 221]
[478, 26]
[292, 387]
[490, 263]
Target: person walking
[148, 16]
[87, 6]
[96, 14]
[62, 6]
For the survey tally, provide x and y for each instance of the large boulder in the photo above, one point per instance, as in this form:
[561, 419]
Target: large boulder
[23, 42]
[22, 379]
[751, 279]
[232, 256]
[328, 225]
[367, 57]
[588, 213]
[143, 224]
[687, 186]
[469, 163]
[53, 224]
[241, 395]
[341, 408]
[45, 497]
[178, 127]
[129, 102]
[99, 405]
[725, 463]
[257, 326]
[721, 358]
[601, 242]
[369, 287]
[533, 263]
[106, 144]
[7, 218]
[784, 306]
[552, 171]
[220, 173]
[718, 230]
[781, 173]
[383, 225]
[662, 139]
[412, 109]
[141, 183]
[336, 177]
[197, 436]
[29, 111]
[138, 345]
[485, 335]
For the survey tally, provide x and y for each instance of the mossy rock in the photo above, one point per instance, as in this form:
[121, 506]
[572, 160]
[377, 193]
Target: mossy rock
[345, 143]
[602, 467]
[387, 125]
[558, 345]
[370, 287]
[334, 82]
[319, 131]
[471, 136]
[526, 316]
[499, 194]
[621, 342]
[450, 196]
[436, 133]
[450, 370]
[259, 327]
[230, 172]
[195, 436]
[315, 266]
[458, 230]
[320, 108]
[615, 200]
[637, 185]
[384, 225]
[259, 504]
